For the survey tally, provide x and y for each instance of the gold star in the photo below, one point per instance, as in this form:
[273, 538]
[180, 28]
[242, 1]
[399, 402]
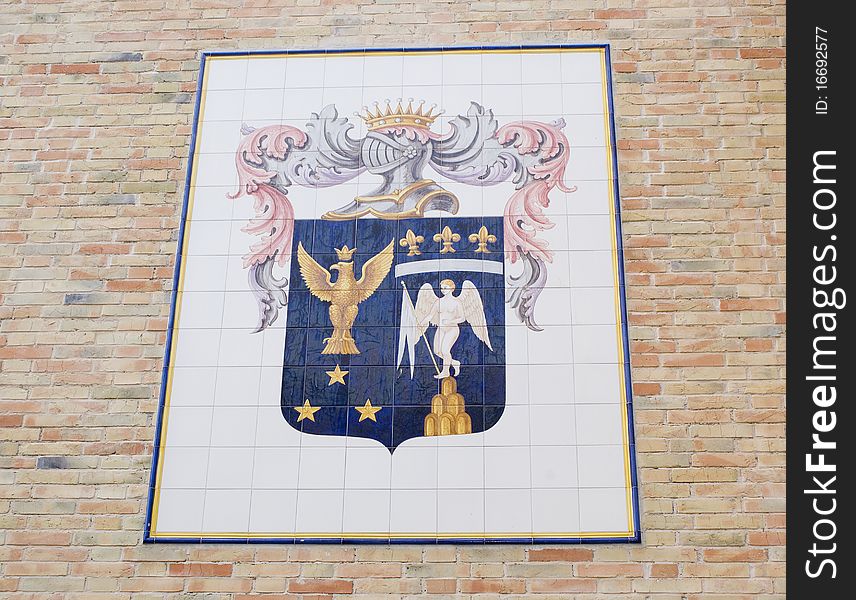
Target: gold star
[367, 411]
[337, 375]
[307, 411]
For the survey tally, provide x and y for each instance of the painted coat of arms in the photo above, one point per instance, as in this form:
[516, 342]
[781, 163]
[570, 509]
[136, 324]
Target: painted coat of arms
[398, 319]
[396, 308]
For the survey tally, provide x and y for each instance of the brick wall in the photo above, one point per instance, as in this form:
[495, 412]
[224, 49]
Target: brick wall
[95, 110]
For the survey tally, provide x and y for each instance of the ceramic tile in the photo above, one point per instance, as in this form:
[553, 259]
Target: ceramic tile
[230, 468]
[226, 511]
[262, 439]
[233, 426]
[591, 268]
[541, 68]
[226, 74]
[593, 306]
[597, 384]
[185, 468]
[216, 170]
[240, 311]
[423, 70]
[598, 424]
[551, 384]
[590, 232]
[322, 468]
[554, 308]
[603, 509]
[506, 69]
[516, 343]
[272, 431]
[504, 100]
[201, 310]
[270, 386]
[581, 67]
[211, 203]
[299, 104]
[192, 386]
[461, 467]
[344, 71]
[305, 72]
[275, 468]
[601, 466]
[238, 348]
[551, 345]
[588, 164]
[415, 468]
[189, 426]
[554, 467]
[224, 105]
[583, 99]
[584, 131]
[367, 511]
[384, 71]
[542, 100]
[508, 511]
[559, 275]
[218, 137]
[368, 468]
[413, 511]
[179, 510]
[552, 425]
[320, 511]
[263, 105]
[590, 198]
[457, 98]
[555, 512]
[461, 511]
[273, 511]
[462, 69]
[595, 343]
[512, 428]
[508, 467]
[516, 385]
[266, 73]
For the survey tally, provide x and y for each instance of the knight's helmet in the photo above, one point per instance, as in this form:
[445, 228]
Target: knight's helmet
[398, 147]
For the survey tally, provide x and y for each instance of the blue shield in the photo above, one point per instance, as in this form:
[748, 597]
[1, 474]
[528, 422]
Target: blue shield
[376, 394]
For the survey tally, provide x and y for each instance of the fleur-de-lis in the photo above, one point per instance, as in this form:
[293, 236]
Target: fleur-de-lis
[483, 238]
[411, 240]
[448, 238]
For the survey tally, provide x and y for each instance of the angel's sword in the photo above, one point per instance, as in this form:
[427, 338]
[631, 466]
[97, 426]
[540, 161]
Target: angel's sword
[430, 352]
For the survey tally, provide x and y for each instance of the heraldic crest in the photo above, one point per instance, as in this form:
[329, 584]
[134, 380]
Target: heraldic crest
[407, 338]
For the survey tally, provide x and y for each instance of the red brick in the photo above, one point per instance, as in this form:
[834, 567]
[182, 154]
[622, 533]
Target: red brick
[321, 586]
[75, 69]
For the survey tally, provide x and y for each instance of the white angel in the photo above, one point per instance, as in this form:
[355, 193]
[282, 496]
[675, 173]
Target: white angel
[448, 312]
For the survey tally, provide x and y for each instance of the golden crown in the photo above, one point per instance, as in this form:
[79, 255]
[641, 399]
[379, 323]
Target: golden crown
[380, 118]
[345, 253]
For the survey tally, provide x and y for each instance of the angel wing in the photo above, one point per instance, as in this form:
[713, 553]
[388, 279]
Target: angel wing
[374, 272]
[426, 301]
[317, 278]
[474, 311]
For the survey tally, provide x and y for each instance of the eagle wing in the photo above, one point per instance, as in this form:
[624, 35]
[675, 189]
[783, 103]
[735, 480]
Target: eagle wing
[474, 311]
[374, 272]
[317, 278]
